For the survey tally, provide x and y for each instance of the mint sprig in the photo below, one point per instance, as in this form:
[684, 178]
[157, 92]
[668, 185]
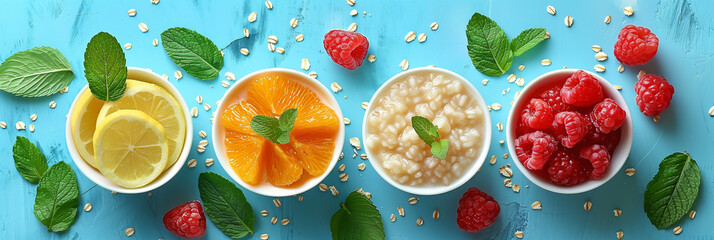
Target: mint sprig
[357, 218]
[672, 191]
[275, 130]
[29, 160]
[428, 132]
[193, 52]
[489, 48]
[57, 198]
[105, 67]
[226, 205]
[36, 72]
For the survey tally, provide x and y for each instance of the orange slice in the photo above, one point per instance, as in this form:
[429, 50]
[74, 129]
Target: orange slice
[312, 154]
[283, 169]
[244, 155]
[237, 117]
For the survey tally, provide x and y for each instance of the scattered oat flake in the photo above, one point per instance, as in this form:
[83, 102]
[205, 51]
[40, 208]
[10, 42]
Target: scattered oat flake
[511, 78]
[299, 37]
[692, 214]
[3, 125]
[516, 188]
[499, 126]
[568, 21]
[521, 67]
[404, 65]
[230, 76]
[365, 105]
[351, 2]
[335, 87]
[413, 200]
[352, 27]
[285, 221]
[33, 117]
[618, 87]
[300, 198]
[371, 58]
[422, 37]
[520, 82]
[277, 202]
[353, 12]
[641, 73]
[400, 210]
[630, 172]
[392, 218]
[518, 234]
[334, 191]
[547, 35]
[354, 141]
[599, 68]
[628, 11]
[621, 68]
[20, 125]
[493, 160]
[322, 187]
[607, 19]
[496, 106]
[269, 5]
[305, 64]
[272, 39]
[264, 236]
[601, 56]
[194, 112]
[132, 12]
[620, 234]
[677, 230]
[506, 171]
[129, 232]
[143, 27]
[410, 36]
[347, 121]
[617, 212]
[273, 220]
[545, 62]
[252, 17]
[537, 205]
[587, 205]
[87, 207]
[209, 162]
[361, 166]
[484, 82]
[551, 10]
[656, 119]
[155, 2]
[419, 222]
[434, 26]
[596, 48]
[505, 156]
[127, 46]
[244, 51]
[246, 32]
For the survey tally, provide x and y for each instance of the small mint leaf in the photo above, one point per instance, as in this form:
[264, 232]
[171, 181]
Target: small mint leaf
[192, 52]
[268, 127]
[29, 160]
[57, 198]
[672, 191]
[357, 218]
[284, 138]
[488, 46]
[440, 149]
[287, 119]
[225, 205]
[425, 129]
[528, 39]
[105, 67]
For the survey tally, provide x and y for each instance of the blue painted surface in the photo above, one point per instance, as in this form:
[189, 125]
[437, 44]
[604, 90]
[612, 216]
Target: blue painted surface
[684, 58]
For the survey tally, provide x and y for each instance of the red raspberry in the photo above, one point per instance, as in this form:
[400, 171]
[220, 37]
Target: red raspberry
[186, 220]
[567, 170]
[607, 116]
[537, 114]
[609, 140]
[570, 128]
[534, 149]
[477, 210]
[599, 159]
[653, 94]
[635, 45]
[347, 49]
[582, 90]
[552, 97]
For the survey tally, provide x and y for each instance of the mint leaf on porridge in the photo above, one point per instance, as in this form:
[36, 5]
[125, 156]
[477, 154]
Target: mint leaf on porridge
[488, 46]
[440, 148]
[273, 129]
[671, 193]
[429, 133]
[357, 218]
[528, 39]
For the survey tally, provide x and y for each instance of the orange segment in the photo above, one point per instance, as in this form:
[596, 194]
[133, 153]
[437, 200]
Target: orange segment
[318, 120]
[313, 154]
[273, 94]
[237, 117]
[283, 169]
[244, 155]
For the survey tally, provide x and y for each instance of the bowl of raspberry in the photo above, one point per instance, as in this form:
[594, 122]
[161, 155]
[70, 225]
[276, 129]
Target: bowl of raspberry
[569, 131]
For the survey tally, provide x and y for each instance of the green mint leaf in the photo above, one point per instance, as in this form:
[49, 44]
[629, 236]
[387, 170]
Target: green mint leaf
[225, 205]
[193, 52]
[105, 67]
[29, 160]
[287, 119]
[283, 138]
[57, 198]
[440, 149]
[488, 46]
[528, 39]
[37, 72]
[425, 129]
[268, 127]
[357, 218]
[671, 193]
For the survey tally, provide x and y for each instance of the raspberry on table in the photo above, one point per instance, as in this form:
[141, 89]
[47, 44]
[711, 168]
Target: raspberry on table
[607, 116]
[570, 128]
[552, 97]
[537, 114]
[582, 90]
[186, 220]
[653, 94]
[564, 169]
[534, 149]
[346, 48]
[477, 210]
[635, 45]
[599, 159]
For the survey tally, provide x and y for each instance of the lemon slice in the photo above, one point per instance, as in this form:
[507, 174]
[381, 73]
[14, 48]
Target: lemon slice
[84, 121]
[160, 105]
[130, 148]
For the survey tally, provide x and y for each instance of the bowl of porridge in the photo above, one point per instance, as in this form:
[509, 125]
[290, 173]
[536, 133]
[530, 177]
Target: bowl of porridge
[398, 154]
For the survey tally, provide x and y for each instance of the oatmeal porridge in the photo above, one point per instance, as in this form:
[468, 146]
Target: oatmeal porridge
[444, 100]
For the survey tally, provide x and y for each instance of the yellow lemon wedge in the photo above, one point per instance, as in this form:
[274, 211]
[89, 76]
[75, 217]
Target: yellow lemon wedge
[84, 121]
[130, 148]
[160, 105]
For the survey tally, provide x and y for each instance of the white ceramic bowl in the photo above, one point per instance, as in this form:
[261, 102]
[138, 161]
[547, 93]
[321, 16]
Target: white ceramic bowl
[96, 176]
[431, 190]
[234, 94]
[620, 154]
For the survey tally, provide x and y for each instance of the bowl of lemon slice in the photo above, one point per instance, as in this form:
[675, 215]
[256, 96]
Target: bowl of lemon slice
[135, 144]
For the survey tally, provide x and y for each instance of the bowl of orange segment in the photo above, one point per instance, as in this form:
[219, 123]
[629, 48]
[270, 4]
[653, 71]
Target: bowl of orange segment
[307, 152]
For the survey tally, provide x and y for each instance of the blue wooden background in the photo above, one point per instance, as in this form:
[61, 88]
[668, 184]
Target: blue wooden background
[685, 58]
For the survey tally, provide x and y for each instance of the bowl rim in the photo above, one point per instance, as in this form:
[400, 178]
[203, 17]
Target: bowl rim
[468, 175]
[95, 176]
[620, 154]
[266, 189]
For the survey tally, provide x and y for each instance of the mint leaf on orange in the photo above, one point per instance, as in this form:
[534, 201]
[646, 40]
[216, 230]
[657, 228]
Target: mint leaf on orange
[105, 67]
[357, 218]
[29, 160]
[193, 52]
[488, 46]
[672, 191]
[528, 39]
[428, 132]
[225, 205]
[57, 198]
[36, 72]
[273, 129]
